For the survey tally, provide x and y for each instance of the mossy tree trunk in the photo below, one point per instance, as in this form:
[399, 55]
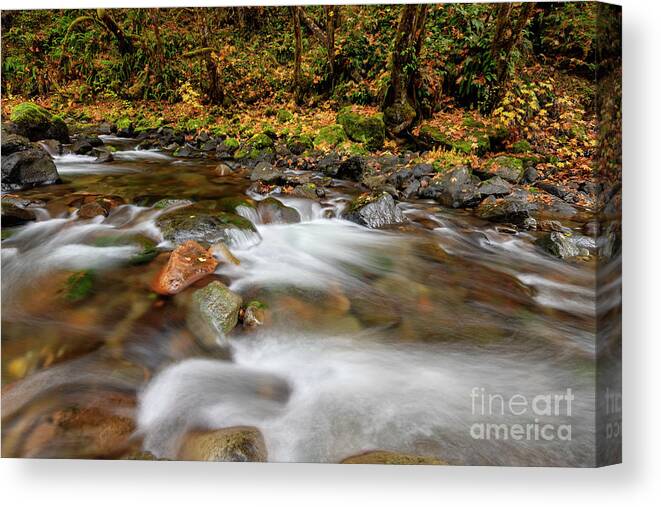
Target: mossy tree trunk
[400, 102]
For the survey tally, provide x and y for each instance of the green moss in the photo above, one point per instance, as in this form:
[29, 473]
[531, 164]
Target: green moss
[370, 130]
[7, 233]
[79, 286]
[231, 203]
[462, 146]
[231, 143]
[283, 116]
[28, 113]
[256, 145]
[329, 137]
[521, 146]
[123, 123]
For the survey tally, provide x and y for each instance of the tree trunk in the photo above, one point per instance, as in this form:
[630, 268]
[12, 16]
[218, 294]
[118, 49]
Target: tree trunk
[507, 36]
[332, 22]
[298, 86]
[123, 42]
[400, 103]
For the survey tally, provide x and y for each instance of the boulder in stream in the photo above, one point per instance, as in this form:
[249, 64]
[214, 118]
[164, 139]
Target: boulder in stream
[187, 264]
[566, 245]
[27, 168]
[240, 443]
[455, 189]
[213, 312]
[375, 211]
[202, 225]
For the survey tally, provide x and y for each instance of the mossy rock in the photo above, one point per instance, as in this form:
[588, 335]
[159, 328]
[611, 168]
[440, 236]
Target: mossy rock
[37, 123]
[329, 137]
[369, 130]
[255, 146]
[508, 168]
[124, 123]
[213, 313]
[232, 203]
[201, 224]
[231, 144]
[299, 144]
[169, 203]
[391, 458]
[399, 117]
[521, 146]
[283, 116]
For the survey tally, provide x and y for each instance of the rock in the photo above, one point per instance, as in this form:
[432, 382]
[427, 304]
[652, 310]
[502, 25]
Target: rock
[530, 175]
[240, 443]
[508, 168]
[103, 156]
[223, 170]
[202, 225]
[11, 143]
[266, 172]
[85, 144]
[272, 211]
[220, 251]
[37, 123]
[148, 249]
[187, 264]
[556, 190]
[171, 203]
[552, 226]
[420, 170]
[213, 312]
[91, 210]
[559, 245]
[375, 211]
[27, 168]
[300, 144]
[370, 130]
[514, 209]
[411, 190]
[81, 432]
[255, 146]
[329, 164]
[455, 188]
[16, 211]
[390, 458]
[254, 315]
[494, 186]
[227, 147]
[308, 191]
[329, 137]
[351, 168]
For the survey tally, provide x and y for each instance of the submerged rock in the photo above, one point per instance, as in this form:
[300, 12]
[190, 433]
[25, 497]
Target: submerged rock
[456, 189]
[213, 313]
[202, 225]
[187, 264]
[240, 443]
[391, 458]
[254, 315]
[27, 168]
[375, 211]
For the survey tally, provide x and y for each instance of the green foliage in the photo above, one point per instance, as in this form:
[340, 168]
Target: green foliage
[329, 137]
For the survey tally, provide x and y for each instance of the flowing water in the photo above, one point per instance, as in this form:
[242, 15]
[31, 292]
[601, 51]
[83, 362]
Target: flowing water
[376, 339]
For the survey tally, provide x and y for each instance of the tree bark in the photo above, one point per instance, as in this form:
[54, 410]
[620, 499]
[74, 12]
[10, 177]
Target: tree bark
[400, 103]
[507, 36]
[123, 42]
[298, 50]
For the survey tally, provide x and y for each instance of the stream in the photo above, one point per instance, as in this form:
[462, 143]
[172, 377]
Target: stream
[375, 339]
